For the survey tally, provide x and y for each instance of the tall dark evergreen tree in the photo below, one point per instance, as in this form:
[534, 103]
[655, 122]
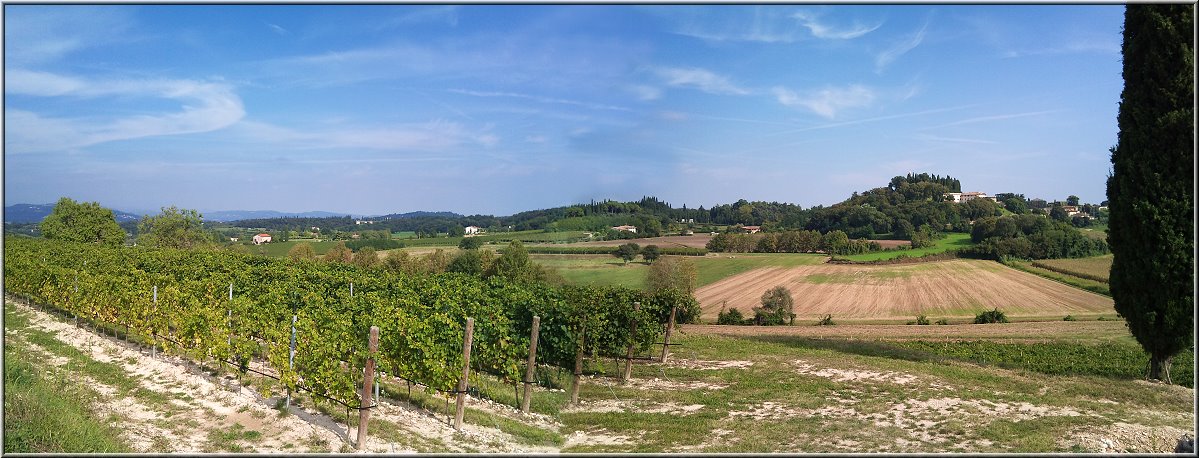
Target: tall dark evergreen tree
[1151, 188]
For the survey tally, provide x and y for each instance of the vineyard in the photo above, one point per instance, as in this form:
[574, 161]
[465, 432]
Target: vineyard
[309, 322]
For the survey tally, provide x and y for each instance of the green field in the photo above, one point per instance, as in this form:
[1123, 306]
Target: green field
[951, 241]
[1094, 268]
[280, 249]
[1077, 282]
[609, 270]
[504, 238]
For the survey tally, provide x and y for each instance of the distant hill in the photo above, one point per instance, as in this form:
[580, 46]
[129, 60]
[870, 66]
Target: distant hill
[237, 215]
[420, 214]
[35, 213]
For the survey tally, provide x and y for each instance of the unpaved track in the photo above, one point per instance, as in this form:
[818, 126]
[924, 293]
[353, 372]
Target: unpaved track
[201, 404]
[955, 288]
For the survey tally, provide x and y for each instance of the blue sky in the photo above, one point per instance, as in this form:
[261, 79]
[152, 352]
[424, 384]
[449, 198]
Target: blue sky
[375, 109]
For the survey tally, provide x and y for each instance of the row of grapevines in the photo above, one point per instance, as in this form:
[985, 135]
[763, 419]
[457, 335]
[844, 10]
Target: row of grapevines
[421, 318]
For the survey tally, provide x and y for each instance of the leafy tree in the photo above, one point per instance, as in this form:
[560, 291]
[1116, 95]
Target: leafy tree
[366, 257]
[834, 242]
[339, 253]
[1015, 205]
[470, 243]
[627, 252]
[979, 208]
[1150, 188]
[672, 272]
[456, 231]
[514, 264]
[469, 262]
[85, 223]
[173, 228]
[776, 307]
[302, 251]
[1058, 213]
[651, 253]
[1072, 201]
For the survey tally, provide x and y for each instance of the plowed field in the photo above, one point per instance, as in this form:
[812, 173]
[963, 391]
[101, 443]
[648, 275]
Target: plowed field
[957, 288]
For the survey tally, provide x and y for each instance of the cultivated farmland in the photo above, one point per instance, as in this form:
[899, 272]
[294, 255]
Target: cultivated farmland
[958, 288]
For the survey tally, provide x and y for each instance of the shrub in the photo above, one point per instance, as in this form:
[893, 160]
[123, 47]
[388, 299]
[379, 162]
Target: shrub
[826, 321]
[922, 320]
[1069, 318]
[992, 316]
[942, 321]
[732, 316]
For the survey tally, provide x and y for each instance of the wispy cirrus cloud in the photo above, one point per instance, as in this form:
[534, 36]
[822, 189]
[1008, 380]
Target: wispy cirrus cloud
[538, 98]
[278, 29]
[698, 78]
[827, 102]
[433, 136]
[901, 47]
[207, 106]
[995, 118]
[770, 25]
[1086, 46]
[824, 30]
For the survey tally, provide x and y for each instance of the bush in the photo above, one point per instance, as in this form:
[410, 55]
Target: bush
[992, 316]
[732, 316]
[921, 320]
[826, 321]
[942, 321]
[1069, 318]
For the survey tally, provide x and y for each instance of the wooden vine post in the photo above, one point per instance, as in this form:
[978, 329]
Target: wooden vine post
[574, 382]
[628, 356]
[364, 412]
[291, 357]
[669, 329]
[153, 343]
[470, 330]
[531, 366]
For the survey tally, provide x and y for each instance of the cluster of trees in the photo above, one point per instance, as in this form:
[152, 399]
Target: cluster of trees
[900, 208]
[833, 242]
[1030, 236]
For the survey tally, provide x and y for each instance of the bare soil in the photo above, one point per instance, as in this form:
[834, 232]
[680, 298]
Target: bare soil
[955, 288]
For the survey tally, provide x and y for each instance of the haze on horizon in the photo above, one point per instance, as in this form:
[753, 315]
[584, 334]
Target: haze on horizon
[497, 109]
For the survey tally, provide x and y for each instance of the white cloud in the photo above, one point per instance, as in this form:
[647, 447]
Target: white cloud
[699, 78]
[826, 31]
[645, 93]
[827, 102]
[39, 34]
[207, 107]
[900, 48]
[995, 118]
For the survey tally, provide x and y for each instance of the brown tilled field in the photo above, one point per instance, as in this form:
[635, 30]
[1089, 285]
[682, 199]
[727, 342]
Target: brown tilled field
[958, 288]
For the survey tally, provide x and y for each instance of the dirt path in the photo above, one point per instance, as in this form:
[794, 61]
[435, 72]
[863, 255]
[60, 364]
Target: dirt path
[956, 288]
[179, 409]
[1021, 331]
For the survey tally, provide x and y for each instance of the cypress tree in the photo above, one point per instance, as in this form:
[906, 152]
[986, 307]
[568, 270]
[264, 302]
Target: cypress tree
[1151, 229]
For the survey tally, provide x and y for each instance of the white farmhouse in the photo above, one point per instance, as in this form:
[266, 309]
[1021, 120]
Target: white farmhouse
[262, 238]
[626, 228]
[472, 230]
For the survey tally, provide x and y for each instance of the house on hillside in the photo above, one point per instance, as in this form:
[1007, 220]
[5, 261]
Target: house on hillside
[363, 221]
[751, 229]
[963, 197]
[472, 230]
[262, 238]
[232, 239]
[625, 228]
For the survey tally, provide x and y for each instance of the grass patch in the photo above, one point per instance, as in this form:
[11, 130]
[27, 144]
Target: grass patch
[951, 241]
[45, 413]
[231, 439]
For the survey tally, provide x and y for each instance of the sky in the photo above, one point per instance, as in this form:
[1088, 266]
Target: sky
[497, 109]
